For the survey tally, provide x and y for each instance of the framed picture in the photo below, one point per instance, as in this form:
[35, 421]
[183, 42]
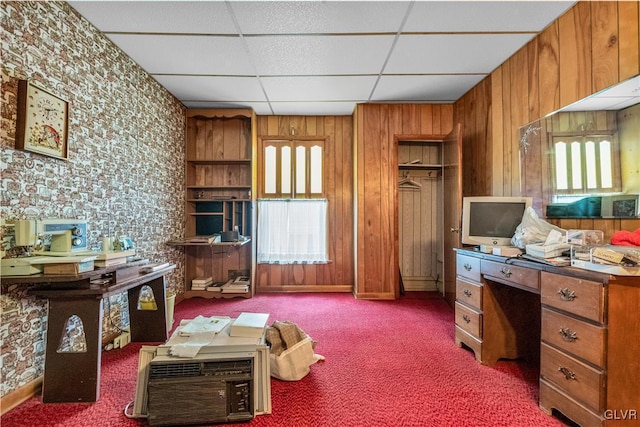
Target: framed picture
[42, 122]
[621, 206]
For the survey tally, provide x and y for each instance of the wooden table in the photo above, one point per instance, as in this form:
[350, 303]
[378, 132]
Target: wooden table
[72, 375]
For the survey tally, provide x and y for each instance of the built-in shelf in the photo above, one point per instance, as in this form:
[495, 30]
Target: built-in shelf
[219, 179]
[419, 166]
[220, 187]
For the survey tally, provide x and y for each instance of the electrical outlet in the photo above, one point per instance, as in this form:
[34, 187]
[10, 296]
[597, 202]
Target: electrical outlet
[125, 339]
[116, 341]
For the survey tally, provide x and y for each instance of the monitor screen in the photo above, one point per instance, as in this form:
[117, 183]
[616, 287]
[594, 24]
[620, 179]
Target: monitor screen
[492, 220]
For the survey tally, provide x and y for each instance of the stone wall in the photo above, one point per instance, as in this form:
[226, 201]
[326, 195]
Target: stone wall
[125, 169]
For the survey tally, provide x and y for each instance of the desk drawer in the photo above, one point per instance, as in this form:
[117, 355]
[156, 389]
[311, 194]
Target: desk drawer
[469, 320]
[469, 293]
[468, 266]
[578, 380]
[522, 276]
[552, 397]
[580, 338]
[581, 297]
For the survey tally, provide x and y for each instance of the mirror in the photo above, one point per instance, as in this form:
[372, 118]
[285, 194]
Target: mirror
[582, 160]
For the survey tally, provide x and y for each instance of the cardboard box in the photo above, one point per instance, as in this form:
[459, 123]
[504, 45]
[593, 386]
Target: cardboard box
[250, 325]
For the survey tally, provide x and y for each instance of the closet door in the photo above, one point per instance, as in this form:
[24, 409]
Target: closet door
[452, 181]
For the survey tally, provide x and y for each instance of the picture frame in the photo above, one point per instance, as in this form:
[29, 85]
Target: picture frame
[42, 121]
[621, 206]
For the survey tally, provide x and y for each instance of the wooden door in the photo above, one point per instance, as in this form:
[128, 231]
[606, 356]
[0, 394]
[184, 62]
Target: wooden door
[452, 209]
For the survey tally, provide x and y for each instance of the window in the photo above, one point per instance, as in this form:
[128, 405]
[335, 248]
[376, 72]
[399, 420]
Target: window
[586, 163]
[292, 231]
[292, 210]
[292, 168]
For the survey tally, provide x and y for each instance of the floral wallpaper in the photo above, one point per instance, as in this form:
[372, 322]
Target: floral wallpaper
[125, 169]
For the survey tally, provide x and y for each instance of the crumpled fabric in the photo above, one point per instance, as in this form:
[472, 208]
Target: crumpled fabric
[291, 351]
[626, 238]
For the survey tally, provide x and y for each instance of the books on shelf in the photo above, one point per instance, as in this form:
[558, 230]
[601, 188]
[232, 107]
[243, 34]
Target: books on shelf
[201, 283]
[239, 289]
[239, 285]
[216, 287]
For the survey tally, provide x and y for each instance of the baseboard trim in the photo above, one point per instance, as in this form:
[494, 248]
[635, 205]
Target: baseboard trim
[304, 288]
[20, 395]
[419, 284]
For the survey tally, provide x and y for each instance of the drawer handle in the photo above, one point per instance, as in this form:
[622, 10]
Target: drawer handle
[467, 266]
[467, 292]
[505, 272]
[568, 374]
[466, 318]
[566, 294]
[568, 335]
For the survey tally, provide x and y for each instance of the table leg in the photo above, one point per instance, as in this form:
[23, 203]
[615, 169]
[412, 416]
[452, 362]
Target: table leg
[73, 376]
[149, 325]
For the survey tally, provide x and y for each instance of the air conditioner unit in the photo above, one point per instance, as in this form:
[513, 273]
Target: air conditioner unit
[208, 388]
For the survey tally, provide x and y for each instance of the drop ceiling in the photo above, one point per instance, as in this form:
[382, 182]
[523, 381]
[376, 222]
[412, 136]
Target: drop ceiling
[318, 57]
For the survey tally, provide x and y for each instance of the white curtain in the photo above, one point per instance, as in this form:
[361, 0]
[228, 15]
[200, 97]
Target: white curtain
[292, 231]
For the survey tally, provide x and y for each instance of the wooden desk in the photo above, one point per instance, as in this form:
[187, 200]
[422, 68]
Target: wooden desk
[75, 376]
[582, 327]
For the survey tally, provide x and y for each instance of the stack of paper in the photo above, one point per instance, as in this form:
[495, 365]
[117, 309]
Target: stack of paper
[546, 251]
[249, 325]
[201, 283]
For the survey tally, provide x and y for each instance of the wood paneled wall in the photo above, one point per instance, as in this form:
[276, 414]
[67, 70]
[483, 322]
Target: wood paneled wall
[591, 47]
[337, 276]
[376, 183]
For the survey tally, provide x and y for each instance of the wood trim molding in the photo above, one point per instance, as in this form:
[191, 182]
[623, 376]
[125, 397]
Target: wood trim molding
[305, 288]
[20, 395]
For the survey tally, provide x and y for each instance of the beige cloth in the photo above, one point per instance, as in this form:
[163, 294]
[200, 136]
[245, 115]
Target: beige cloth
[292, 351]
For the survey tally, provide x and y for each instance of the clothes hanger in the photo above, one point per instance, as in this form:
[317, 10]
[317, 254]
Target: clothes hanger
[407, 182]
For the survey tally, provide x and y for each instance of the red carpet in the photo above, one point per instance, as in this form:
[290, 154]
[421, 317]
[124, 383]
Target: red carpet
[388, 363]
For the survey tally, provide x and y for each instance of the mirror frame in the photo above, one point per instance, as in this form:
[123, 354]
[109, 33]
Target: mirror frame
[536, 174]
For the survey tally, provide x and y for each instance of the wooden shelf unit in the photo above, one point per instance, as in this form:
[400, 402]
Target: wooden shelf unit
[220, 182]
[427, 150]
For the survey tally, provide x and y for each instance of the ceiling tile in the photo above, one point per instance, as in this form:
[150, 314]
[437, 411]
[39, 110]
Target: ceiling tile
[207, 88]
[195, 17]
[311, 55]
[313, 108]
[319, 88]
[465, 16]
[459, 53]
[306, 17]
[318, 57]
[616, 97]
[260, 108]
[186, 54]
[424, 88]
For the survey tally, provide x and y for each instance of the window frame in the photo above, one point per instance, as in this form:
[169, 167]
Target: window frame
[583, 138]
[292, 142]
